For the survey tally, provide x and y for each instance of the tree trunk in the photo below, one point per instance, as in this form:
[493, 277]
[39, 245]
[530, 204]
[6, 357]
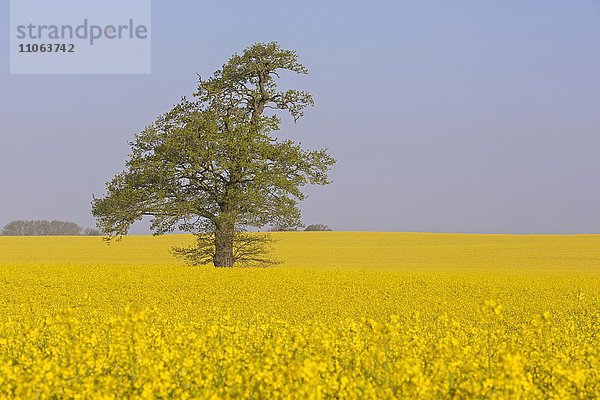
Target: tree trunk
[224, 244]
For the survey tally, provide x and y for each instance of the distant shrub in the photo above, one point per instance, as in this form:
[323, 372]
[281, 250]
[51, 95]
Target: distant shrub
[91, 232]
[317, 227]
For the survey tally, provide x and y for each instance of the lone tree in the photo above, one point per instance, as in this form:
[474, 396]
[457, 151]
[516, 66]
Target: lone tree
[212, 166]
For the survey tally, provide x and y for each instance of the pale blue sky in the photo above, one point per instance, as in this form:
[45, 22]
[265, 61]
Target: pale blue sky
[455, 116]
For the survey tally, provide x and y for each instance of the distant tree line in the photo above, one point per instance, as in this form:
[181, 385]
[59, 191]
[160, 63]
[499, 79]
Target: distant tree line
[46, 228]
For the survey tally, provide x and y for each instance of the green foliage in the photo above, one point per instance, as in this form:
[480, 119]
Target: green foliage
[213, 165]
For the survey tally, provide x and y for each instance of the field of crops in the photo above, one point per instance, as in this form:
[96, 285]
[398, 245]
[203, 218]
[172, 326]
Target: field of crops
[347, 315]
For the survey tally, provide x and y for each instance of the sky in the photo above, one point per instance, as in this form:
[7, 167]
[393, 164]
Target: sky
[462, 116]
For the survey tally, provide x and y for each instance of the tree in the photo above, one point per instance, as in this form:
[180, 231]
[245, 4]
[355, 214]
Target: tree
[41, 228]
[213, 166]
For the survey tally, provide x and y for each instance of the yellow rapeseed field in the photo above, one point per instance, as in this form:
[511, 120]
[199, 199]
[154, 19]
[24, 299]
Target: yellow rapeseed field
[347, 315]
